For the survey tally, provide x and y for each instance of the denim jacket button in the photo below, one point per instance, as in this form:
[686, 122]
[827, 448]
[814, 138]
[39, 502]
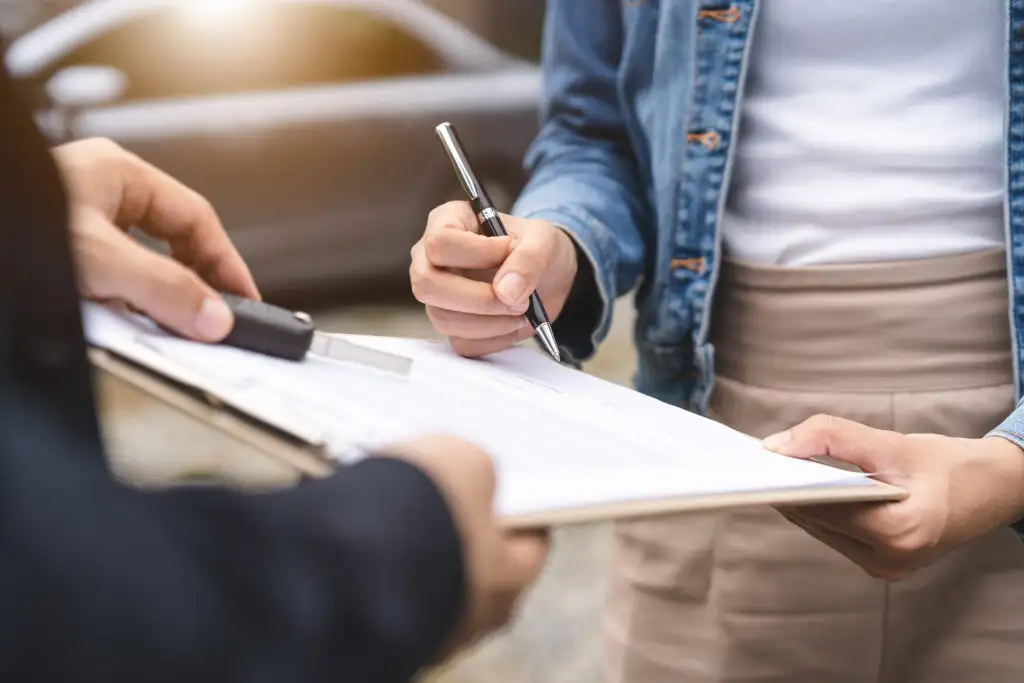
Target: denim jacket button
[695, 265]
[708, 138]
[728, 15]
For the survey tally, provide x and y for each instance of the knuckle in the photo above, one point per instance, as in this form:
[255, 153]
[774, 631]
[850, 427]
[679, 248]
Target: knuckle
[203, 205]
[419, 279]
[486, 464]
[435, 243]
[180, 280]
[533, 258]
[906, 543]
[449, 212]
[903, 532]
[167, 283]
[822, 424]
[95, 150]
[432, 216]
[479, 465]
[440, 319]
[94, 143]
[820, 421]
[456, 207]
[106, 145]
[435, 214]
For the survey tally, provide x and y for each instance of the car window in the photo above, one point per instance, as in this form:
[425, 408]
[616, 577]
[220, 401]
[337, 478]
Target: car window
[184, 52]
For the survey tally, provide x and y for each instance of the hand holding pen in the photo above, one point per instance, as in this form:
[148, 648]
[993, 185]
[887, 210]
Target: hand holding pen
[487, 292]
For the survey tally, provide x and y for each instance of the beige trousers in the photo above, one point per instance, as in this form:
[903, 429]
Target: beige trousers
[745, 597]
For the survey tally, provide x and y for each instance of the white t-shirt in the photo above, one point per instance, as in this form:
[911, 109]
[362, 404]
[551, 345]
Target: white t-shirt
[870, 131]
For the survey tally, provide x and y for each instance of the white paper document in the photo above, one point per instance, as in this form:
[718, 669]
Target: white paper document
[561, 439]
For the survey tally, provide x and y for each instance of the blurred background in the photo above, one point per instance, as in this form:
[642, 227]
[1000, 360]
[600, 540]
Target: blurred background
[309, 126]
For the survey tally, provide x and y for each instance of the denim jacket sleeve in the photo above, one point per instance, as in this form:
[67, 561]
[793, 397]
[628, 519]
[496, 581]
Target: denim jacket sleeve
[584, 176]
[1012, 429]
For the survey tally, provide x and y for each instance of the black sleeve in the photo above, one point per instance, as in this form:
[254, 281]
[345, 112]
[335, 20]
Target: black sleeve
[357, 577]
[582, 311]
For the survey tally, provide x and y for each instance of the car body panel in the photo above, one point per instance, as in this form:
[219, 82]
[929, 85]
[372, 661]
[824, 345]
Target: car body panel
[318, 184]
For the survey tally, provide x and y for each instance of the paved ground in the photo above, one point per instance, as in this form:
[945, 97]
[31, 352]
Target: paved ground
[555, 639]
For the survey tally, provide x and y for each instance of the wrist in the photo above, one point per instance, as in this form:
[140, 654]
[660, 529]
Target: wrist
[1003, 460]
[567, 257]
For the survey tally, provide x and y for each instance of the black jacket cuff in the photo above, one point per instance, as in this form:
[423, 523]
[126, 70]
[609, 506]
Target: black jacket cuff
[581, 314]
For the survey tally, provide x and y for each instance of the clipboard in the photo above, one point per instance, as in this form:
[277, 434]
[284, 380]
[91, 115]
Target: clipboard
[310, 459]
[307, 458]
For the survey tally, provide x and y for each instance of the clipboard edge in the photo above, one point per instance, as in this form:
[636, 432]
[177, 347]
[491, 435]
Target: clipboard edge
[879, 492]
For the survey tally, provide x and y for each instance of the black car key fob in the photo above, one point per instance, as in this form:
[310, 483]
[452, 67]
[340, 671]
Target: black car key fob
[268, 329]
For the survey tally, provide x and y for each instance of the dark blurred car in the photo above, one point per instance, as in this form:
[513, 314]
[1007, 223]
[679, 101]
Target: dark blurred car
[308, 123]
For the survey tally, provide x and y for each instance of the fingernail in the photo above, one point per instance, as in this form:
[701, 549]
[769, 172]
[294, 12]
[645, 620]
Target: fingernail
[511, 288]
[775, 442]
[214, 320]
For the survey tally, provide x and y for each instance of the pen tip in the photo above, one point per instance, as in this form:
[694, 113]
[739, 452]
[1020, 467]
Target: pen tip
[547, 338]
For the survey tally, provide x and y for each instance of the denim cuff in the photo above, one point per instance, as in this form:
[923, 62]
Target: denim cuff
[584, 323]
[1012, 429]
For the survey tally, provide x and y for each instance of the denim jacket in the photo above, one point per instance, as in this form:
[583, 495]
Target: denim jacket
[641, 99]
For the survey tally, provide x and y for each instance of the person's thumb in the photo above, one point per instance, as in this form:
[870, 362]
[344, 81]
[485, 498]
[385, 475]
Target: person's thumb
[171, 294]
[872, 450]
[522, 270]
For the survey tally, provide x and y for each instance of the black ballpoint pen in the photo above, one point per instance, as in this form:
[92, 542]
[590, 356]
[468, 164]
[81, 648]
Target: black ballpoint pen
[490, 221]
